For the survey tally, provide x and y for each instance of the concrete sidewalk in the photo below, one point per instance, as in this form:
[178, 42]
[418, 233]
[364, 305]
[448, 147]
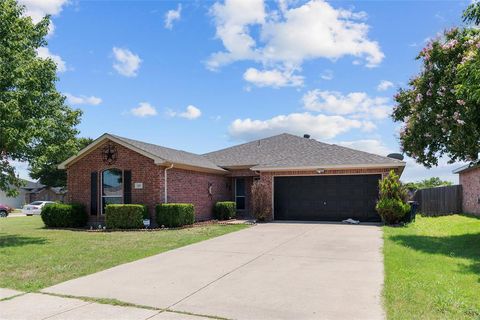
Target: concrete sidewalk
[36, 306]
[269, 271]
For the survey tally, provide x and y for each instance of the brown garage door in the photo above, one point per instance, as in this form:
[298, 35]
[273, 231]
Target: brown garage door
[326, 198]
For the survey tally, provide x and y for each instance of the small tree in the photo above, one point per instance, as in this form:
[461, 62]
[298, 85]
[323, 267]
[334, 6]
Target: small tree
[261, 205]
[392, 205]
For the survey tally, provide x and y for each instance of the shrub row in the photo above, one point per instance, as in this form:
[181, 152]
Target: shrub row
[224, 210]
[125, 216]
[131, 216]
[60, 215]
[174, 215]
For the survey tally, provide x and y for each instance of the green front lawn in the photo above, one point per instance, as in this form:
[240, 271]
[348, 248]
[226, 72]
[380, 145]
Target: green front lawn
[432, 269]
[32, 257]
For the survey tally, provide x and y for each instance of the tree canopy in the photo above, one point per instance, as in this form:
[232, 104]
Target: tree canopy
[440, 108]
[35, 122]
[427, 183]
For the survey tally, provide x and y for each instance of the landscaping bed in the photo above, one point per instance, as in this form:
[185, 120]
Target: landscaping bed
[34, 257]
[432, 269]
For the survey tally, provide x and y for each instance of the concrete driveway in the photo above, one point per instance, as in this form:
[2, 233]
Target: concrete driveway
[269, 271]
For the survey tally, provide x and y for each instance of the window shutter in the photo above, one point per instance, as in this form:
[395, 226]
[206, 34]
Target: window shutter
[93, 193]
[127, 186]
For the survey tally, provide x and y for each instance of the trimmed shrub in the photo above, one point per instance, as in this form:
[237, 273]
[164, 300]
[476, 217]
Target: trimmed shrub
[174, 215]
[224, 210]
[146, 214]
[392, 210]
[392, 205]
[59, 215]
[261, 201]
[124, 216]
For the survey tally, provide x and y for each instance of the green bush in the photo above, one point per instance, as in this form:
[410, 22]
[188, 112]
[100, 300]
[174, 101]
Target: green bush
[392, 210]
[59, 215]
[392, 205]
[124, 216]
[174, 215]
[224, 210]
[146, 214]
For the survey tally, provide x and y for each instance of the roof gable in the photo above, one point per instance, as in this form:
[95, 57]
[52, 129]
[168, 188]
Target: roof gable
[160, 155]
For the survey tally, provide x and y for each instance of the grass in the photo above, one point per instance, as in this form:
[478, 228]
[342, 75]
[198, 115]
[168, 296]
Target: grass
[432, 269]
[32, 257]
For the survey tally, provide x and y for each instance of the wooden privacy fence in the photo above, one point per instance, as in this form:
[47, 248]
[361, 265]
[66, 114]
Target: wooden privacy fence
[440, 200]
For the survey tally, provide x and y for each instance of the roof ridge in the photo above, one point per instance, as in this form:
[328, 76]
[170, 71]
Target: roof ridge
[365, 152]
[153, 144]
[252, 141]
[140, 144]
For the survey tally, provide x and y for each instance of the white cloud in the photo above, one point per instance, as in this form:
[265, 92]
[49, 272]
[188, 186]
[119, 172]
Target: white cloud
[171, 16]
[416, 172]
[384, 85]
[290, 36]
[76, 100]
[319, 126]
[190, 113]
[144, 109]
[272, 78]
[413, 171]
[44, 53]
[232, 20]
[327, 75]
[37, 9]
[126, 62]
[358, 104]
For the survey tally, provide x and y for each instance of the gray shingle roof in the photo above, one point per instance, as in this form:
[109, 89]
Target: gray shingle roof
[172, 155]
[286, 150]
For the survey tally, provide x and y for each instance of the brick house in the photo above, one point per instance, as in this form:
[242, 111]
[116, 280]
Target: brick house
[307, 179]
[469, 178]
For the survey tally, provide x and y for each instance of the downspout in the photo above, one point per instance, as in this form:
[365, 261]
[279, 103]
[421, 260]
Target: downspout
[165, 182]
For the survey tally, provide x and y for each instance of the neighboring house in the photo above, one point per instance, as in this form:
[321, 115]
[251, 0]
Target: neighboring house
[307, 179]
[44, 193]
[469, 178]
[14, 202]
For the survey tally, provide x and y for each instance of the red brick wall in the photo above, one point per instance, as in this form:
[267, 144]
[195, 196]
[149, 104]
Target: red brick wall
[470, 181]
[143, 170]
[267, 177]
[192, 187]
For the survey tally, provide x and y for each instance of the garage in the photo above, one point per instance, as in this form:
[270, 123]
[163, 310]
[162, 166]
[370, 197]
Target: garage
[326, 198]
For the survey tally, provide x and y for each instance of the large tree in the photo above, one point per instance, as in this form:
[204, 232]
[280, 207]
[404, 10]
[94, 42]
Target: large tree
[45, 167]
[440, 108]
[35, 122]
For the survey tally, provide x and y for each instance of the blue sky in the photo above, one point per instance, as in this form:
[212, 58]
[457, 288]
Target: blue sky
[200, 76]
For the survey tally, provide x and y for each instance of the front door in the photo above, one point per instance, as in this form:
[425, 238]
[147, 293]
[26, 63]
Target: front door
[240, 194]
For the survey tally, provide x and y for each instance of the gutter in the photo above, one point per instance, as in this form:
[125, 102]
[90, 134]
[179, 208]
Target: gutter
[165, 182]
